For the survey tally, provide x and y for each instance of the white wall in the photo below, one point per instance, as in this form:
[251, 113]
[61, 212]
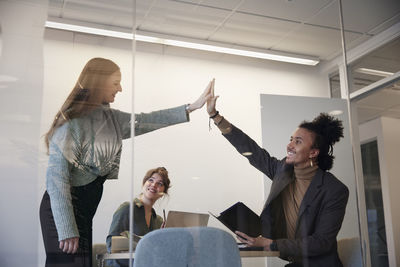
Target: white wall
[387, 131]
[207, 173]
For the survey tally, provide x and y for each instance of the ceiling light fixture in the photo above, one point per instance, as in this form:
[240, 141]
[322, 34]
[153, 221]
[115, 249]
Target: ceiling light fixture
[270, 55]
[336, 112]
[374, 72]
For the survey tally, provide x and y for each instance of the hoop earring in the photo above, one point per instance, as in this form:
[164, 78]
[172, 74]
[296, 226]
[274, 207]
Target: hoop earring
[80, 85]
[311, 162]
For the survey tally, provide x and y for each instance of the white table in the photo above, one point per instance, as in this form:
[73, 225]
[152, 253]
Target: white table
[125, 255]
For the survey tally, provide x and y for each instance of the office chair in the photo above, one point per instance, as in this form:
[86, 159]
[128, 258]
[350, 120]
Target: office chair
[349, 251]
[187, 247]
[169, 247]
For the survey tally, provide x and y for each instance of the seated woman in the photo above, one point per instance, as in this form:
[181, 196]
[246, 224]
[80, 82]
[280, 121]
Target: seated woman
[155, 184]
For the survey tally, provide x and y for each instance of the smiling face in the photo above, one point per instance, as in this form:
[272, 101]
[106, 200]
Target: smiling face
[154, 187]
[299, 150]
[111, 87]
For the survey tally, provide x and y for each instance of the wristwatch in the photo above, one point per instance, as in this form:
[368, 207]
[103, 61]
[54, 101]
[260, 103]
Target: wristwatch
[273, 246]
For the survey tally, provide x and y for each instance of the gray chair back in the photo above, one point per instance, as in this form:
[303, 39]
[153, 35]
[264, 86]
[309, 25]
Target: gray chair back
[187, 247]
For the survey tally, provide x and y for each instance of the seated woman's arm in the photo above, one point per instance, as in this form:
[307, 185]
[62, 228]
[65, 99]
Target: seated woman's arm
[119, 224]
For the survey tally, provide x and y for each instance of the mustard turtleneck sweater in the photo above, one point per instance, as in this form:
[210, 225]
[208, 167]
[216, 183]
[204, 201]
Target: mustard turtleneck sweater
[293, 194]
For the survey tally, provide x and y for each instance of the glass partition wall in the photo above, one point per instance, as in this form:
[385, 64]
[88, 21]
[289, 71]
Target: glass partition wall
[373, 74]
[21, 90]
[206, 172]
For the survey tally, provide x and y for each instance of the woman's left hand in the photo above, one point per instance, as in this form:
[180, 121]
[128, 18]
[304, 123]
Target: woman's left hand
[254, 241]
[202, 99]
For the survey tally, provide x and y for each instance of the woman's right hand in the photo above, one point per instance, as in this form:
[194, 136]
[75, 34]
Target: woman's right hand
[69, 245]
[212, 101]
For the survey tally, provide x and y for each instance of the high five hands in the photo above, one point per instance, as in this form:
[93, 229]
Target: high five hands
[203, 98]
[212, 100]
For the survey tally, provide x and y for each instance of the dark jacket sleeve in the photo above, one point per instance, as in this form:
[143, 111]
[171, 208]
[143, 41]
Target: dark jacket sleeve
[257, 156]
[119, 224]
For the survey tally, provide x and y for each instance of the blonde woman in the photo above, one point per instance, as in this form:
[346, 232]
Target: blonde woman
[84, 144]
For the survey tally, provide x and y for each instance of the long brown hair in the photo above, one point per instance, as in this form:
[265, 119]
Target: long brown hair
[86, 95]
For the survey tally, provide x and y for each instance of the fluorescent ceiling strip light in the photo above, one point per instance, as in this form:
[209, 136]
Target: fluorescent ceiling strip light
[90, 30]
[184, 44]
[374, 72]
[226, 50]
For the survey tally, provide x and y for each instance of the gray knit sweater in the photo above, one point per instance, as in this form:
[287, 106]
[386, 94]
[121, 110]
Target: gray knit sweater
[90, 146]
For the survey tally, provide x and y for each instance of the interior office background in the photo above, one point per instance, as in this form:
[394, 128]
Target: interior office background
[207, 174]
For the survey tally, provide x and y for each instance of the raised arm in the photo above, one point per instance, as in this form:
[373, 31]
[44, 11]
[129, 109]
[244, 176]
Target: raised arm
[256, 155]
[148, 122]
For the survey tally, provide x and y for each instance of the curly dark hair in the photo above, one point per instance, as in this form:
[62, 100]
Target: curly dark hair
[328, 130]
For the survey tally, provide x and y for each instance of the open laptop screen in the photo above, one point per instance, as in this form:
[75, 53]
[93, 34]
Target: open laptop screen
[186, 219]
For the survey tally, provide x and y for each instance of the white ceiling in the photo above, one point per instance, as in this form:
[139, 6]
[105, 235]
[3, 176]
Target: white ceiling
[306, 27]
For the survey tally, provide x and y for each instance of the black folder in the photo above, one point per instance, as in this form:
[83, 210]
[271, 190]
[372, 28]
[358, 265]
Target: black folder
[241, 218]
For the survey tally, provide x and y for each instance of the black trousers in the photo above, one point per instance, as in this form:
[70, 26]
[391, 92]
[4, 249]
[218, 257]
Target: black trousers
[85, 200]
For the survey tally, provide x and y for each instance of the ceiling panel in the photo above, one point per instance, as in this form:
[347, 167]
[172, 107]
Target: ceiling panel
[388, 23]
[175, 18]
[294, 10]
[360, 16]
[365, 15]
[220, 4]
[253, 31]
[95, 11]
[312, 40]
[327, 17]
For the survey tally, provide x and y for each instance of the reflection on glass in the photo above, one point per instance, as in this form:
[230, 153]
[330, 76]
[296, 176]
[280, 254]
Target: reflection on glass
[379, 64]
[374, 204]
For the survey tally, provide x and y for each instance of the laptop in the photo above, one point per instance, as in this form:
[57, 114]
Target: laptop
[186, 219]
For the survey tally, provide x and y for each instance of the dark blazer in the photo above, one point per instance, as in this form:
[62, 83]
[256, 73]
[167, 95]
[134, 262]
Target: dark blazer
[320, 215]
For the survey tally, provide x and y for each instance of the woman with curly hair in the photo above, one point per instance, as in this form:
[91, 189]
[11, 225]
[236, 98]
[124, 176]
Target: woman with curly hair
[306, 204]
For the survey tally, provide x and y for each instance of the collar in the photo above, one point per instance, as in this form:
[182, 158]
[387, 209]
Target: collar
[138, 203]
[305, 173]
